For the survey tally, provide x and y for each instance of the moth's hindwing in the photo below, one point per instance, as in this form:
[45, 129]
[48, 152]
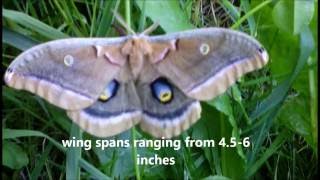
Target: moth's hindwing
[113, 113]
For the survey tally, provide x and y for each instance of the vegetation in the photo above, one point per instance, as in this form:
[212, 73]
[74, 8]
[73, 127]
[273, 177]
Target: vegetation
[276, 106]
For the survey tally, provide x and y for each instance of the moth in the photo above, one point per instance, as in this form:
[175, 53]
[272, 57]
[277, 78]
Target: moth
[108, 85]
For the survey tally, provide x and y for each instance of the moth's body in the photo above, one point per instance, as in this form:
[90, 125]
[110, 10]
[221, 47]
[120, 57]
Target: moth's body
[109, 85]
[136, 49]
[139, 53]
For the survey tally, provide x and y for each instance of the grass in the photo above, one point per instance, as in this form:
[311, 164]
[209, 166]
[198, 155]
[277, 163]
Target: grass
[276, 106]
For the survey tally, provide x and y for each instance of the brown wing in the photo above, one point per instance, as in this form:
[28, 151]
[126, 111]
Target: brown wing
[69, 73]
[204, 63]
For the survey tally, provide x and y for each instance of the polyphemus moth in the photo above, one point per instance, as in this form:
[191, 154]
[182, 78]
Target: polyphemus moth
[108, 85]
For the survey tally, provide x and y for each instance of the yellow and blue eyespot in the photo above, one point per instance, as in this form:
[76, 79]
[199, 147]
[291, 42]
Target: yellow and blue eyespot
[109, 91]
[162, 90]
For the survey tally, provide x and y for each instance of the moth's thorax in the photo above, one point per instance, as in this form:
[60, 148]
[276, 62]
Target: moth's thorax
[136, 49]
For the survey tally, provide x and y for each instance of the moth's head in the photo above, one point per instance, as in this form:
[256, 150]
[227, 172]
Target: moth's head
[137, 44]
[141, 44]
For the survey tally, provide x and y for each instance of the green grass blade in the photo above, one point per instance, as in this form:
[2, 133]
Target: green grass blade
[94, 18]
[17, 133]
[17, 40]
[33, 24]
[279, 93]
[72, 17]
[234, 13]
[142, 19]
[35, 173]
[92, 170]
[261, 134]
[250, 13]
[251, 21]
[314, 105]
[13, 155]
[73, 155]
[107, 18]
[276, 144]
[165, 13]
[216, 177]
[10, 95]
